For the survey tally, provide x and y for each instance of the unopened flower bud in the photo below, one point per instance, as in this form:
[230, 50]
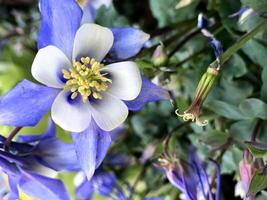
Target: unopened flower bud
[159, 57]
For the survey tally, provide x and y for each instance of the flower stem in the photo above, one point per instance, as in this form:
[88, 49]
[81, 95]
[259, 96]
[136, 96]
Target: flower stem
[10, 137]
[256, 130]
[183, 41]
[240, 43]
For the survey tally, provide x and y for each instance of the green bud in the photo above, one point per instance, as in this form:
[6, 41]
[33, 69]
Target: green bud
[203, 89]
[159, 57]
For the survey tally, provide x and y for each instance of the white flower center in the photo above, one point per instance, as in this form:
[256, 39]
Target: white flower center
[85, 78]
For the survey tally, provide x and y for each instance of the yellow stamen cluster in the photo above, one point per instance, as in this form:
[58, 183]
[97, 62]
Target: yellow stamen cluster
[85, 78]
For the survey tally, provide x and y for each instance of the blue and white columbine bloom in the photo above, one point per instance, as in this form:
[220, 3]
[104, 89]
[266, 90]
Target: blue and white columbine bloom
[87, 90]
[85, 96]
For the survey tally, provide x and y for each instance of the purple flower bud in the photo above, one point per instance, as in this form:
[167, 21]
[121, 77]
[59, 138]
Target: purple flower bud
[159, 57]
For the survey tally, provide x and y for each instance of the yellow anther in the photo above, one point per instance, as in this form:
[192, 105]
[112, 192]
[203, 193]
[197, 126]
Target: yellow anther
[74, 95]
[97, 95]
[85, 60]
[92, 61]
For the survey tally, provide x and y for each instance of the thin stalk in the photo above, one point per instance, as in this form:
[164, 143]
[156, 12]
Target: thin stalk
[10, 138]
[239, 44]
[183, 41]
[256, 130]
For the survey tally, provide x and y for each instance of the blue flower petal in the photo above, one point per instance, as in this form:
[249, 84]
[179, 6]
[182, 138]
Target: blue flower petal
[104, 182]
[26, 104]
[85, 190]
[13, 182]
[91, 147]
[149, 93]
[89, 13]
[60, 21]
[127, 43]
[42, 188]
[8, 167]
[50, 133]
[52, 152]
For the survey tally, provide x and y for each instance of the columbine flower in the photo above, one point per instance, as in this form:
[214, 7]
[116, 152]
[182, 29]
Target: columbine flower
[85, 95]
[25, 163]
[88, 89]
[80, 87]
[190, 177]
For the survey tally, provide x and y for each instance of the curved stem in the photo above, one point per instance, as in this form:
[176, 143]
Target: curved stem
[240, 43]
[10, 138]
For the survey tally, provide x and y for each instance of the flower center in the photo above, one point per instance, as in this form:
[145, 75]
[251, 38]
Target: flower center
[85, 78]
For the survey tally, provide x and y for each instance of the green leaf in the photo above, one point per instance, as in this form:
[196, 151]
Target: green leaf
[165, 12]
[264, 84]
[230, 160]
[241, 130]
[254, 108]
[259, 150]
[257, 5]
[256, 52]
[109, 17]
[241, 89]
[235, 68]
[258, 182]
[226, 110]
[214, 138]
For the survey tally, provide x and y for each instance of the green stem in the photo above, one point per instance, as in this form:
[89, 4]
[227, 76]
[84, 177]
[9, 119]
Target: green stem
[240, 43]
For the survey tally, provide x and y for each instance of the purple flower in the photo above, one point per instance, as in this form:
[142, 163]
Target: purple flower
[25, 163]
[190, 177]
[103, 183]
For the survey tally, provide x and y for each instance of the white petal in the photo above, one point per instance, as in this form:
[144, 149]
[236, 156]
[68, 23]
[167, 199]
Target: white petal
[47, 66]
[74, 116]
[126, 80]
[109, 112]
[92, 40]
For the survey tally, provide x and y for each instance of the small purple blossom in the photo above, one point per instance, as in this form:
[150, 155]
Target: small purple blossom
[190, 177]
[26, 162]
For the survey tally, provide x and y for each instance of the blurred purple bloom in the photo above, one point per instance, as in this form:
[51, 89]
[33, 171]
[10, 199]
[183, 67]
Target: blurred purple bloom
[190, 177]
[24, 162]
[105, 184]
[102, 183]
[148, 153]
[118, 160]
